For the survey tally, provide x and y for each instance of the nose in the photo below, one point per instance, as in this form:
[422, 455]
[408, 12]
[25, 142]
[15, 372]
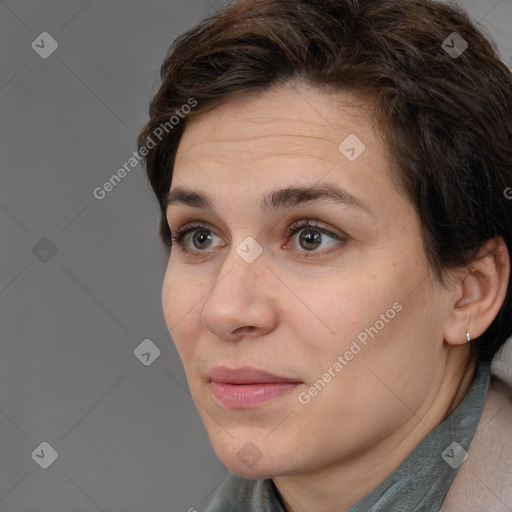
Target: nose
[241, 304]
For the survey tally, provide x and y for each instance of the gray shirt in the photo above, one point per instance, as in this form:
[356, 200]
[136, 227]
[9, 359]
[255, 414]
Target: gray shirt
[419, 484]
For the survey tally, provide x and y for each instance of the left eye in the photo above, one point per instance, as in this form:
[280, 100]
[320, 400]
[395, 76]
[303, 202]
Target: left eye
[311, 236]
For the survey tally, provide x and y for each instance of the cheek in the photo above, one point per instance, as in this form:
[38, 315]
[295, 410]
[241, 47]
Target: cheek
[369, 313]
[178, 293]
[170, 289]
[343, 307]
[180, 307]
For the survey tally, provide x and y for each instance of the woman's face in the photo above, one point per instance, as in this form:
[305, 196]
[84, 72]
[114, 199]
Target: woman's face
[345, 309]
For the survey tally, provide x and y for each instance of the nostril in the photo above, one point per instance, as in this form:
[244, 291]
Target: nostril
[244, 329]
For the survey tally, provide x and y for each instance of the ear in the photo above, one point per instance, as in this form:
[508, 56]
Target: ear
[479, 292]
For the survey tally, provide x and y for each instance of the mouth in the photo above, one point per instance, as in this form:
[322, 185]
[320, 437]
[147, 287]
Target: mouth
[247, 387]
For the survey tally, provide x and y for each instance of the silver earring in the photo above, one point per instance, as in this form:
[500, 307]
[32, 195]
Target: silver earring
[468, 337]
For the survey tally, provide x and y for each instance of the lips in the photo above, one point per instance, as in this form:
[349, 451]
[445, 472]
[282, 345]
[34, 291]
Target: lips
[247, 387]
[245, 375]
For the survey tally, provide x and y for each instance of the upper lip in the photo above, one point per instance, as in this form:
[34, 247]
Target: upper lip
[245, 375]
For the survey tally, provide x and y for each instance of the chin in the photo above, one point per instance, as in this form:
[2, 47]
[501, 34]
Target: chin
[251, 473]
[245, 459]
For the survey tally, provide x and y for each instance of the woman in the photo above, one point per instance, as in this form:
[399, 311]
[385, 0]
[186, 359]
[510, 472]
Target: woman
[332, 175]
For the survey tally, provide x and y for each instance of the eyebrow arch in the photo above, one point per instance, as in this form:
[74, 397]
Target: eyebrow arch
[277, 199]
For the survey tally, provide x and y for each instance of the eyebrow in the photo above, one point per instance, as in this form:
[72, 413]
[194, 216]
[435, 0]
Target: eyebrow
[277, 199]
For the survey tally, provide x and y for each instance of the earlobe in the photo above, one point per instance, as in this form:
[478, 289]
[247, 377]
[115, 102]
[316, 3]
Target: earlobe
[480, 293]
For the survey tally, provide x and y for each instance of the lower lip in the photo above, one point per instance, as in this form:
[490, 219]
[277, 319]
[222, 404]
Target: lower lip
[238, 396]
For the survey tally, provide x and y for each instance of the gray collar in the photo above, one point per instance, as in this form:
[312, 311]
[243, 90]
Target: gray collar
[419, 484]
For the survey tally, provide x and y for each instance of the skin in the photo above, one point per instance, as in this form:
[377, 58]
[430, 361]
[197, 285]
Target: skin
[294, 310]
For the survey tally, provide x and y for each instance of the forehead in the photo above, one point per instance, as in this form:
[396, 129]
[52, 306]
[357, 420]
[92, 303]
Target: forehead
[255, 144]
[287, 123]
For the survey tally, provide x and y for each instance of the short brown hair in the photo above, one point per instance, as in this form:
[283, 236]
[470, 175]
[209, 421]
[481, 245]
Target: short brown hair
[446, 119]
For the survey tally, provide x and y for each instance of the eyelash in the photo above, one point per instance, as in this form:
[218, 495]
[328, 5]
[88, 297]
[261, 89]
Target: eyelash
[290, 232]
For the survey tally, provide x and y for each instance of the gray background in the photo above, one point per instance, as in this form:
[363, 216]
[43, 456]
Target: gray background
[128, 436]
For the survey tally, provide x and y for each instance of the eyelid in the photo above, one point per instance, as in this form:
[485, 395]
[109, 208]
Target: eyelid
[315, 224]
